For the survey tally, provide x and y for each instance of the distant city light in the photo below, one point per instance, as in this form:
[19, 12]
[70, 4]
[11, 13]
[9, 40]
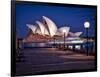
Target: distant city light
[77, 47]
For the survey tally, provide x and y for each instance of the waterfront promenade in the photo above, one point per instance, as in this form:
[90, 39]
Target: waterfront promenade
[40, 60]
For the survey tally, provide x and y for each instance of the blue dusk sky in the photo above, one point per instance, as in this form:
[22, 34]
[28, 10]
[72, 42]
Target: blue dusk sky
[73, 17]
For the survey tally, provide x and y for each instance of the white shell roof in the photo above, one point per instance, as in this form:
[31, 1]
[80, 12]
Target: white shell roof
[51, 26]
[44, 30]
[41, 26]
[38, 30]
[32, 27]
[76, 34]
[64, 28]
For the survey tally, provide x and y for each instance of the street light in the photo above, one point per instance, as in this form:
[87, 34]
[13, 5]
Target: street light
[54, 42]
[64, 31]
[86, 26]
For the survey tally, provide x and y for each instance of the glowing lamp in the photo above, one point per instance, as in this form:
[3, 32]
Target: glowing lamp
[86, 24]
[64, 31]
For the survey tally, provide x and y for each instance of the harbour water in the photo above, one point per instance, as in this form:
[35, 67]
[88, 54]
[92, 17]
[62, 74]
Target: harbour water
[85, 45]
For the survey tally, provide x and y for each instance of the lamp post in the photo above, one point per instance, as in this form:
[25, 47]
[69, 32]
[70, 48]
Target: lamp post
[54, 42]
[64, 31]
[86, 26]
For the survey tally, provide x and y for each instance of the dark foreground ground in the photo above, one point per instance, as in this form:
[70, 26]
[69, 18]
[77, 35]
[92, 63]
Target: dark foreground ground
[40, 60]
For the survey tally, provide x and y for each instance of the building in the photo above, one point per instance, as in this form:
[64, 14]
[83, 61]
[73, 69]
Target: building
[48, 28]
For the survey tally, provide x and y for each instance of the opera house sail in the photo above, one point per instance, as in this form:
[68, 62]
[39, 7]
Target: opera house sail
[75, 34]
[51, 26]
[32, 27]
[48, 28]
[60, 31]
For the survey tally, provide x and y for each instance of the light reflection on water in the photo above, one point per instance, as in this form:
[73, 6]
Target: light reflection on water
[37, 44]
[90, 44]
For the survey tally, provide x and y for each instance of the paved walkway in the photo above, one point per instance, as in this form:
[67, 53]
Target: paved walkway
[51, 59]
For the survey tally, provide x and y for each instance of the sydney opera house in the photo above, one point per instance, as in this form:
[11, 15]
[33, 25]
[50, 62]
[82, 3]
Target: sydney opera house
[46, 30]
[49, 48]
